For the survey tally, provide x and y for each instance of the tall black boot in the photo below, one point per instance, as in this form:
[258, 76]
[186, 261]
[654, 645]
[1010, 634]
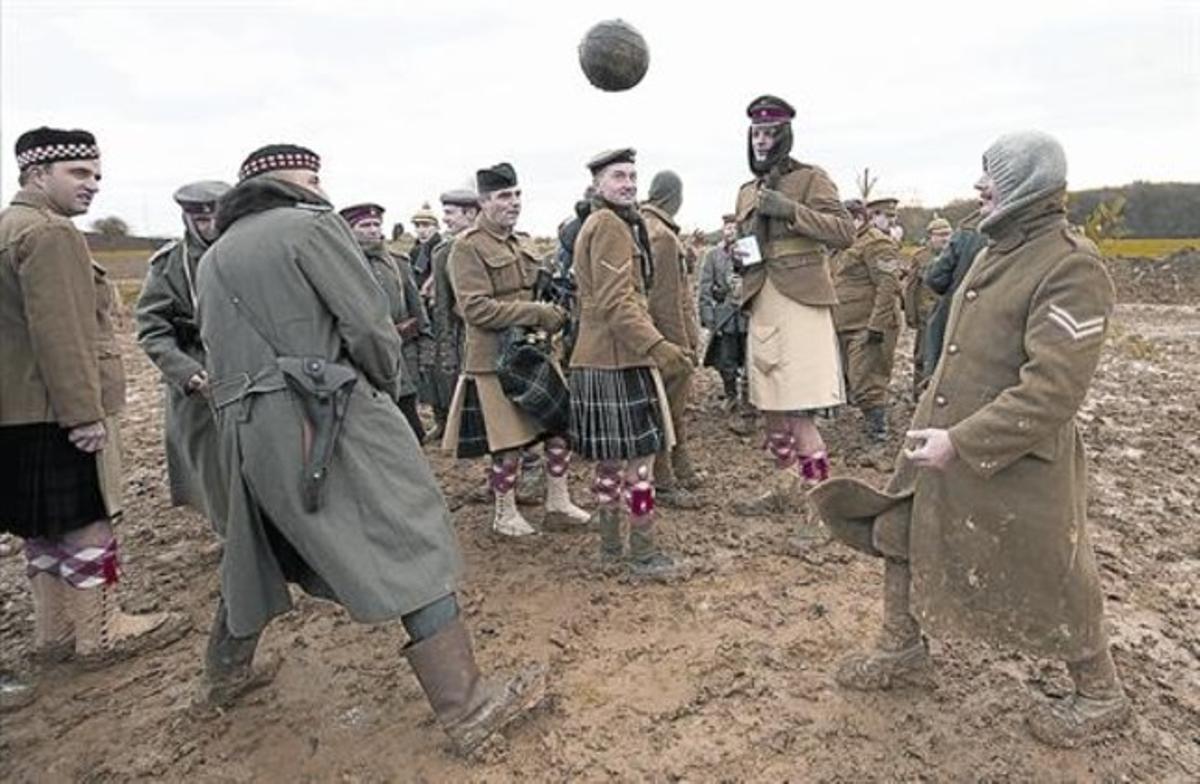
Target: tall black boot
[228, 665]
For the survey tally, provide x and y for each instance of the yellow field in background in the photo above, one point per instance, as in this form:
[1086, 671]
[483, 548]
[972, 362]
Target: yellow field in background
[123, 264]
[1147, 247]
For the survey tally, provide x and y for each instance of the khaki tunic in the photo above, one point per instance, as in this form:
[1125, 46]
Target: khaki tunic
[381, 543]
[59, 357]
[404, 302]
[493, 273]
[169, 334]
[998, 542]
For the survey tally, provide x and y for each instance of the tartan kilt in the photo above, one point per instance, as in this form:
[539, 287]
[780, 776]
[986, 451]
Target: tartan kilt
[616, 414]
[47, 487]
[472, 432]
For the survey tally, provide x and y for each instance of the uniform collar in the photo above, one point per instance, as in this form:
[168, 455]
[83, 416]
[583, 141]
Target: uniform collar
[29, 197]
[494, 229]
[1037, 218]
[661, 214]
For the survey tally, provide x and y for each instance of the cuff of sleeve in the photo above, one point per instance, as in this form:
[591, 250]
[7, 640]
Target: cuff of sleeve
[981, 462]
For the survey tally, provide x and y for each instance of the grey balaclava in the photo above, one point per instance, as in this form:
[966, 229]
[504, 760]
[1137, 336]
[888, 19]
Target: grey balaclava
[666, 192]
[1025, 166]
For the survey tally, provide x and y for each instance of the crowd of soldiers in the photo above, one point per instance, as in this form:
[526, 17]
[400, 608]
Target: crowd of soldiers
[296, 345]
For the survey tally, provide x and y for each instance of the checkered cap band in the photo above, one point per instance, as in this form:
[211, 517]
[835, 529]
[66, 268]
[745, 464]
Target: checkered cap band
[278, 161]
[51, 153]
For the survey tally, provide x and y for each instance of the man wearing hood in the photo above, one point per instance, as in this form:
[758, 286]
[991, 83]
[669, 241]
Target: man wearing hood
[404, 301]
[620, 417]
[170, 336]
[671, 310]
[793, 212]
[328, 486]
[983, 527]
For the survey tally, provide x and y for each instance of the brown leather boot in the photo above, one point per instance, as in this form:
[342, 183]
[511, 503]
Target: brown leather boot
[53, 632]
[686, 475]
[899, 651]
[469, 708]
[103, 633]
[1098, 705]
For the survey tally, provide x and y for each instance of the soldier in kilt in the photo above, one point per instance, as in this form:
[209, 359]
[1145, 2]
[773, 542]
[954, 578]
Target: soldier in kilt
[493, 272]
[620, 417]
[61, 389]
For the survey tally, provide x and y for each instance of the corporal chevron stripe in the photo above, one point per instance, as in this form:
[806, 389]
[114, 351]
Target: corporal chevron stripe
[1078, 330]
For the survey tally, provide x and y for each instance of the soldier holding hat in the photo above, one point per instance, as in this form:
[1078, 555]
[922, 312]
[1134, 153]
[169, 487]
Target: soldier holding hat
[793, 211]
[919, 300]
[983, 527]
[867, 316]
[170, 336]
[460, 208]
[493, 270]
[328, 486]
[620, 417]
[404, 301]
[61, 388]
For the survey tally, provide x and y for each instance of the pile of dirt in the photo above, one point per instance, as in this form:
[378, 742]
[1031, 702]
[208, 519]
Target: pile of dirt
[1173, 280]
[726, 677]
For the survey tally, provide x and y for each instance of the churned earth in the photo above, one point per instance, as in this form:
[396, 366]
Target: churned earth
[727, 677]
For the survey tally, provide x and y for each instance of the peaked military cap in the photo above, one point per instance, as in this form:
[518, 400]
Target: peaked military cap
[460, 197]
[276, 157]
[885, 204]
[357, 212]
[769, 109]
[496, 178]
[49, 145]
[938, 224]
[200, 198]
[609, 157]
[424, 215]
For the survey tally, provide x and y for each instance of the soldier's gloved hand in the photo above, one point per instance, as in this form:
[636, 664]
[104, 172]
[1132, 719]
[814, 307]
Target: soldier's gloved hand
[672, 360]
[874, 337]
[775, 204]
[550, 317]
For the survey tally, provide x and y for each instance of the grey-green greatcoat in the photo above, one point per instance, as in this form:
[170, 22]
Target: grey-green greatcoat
[395, 277]
[381, 543]
[998, 541]
[167, 332]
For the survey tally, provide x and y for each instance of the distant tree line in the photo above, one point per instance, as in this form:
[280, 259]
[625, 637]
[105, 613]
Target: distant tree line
[1143, 209]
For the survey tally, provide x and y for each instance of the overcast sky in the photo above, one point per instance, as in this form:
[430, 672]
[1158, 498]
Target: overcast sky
[406, 99]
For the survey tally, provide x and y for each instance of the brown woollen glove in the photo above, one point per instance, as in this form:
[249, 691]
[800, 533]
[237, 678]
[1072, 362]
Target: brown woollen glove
[670, 358]
[550, 317]
[775, 205]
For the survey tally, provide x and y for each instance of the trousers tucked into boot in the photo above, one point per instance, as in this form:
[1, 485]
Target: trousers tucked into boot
[899, 650]
[1098, 705]
[228, 664]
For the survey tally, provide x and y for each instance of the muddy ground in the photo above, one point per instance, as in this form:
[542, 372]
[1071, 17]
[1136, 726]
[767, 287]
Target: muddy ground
[724, 678]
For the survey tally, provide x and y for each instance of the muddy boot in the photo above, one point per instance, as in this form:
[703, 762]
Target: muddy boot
[742, 420]
[1098, 705]
[53, 632]
[781, 497]
[607, 520]
[875, 425]
[468, 708]
[899, 651]
[647, 561]
[103, 633]
[507, 520]
[677, 497]
[561, 513]
[15, 692]
[228, 666]
[686, 475]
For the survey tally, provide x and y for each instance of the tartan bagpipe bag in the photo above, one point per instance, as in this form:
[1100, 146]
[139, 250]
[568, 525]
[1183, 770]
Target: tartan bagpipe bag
[531, 380]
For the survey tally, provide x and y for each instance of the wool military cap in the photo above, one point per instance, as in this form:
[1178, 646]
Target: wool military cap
[358, 212]
[769, 109]
[885, 205]
[49, 145]
[277, 157]
[424, 215]
[938, 224]
[460, 197]
[609, 157]
[496, 178]
[200, 198]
